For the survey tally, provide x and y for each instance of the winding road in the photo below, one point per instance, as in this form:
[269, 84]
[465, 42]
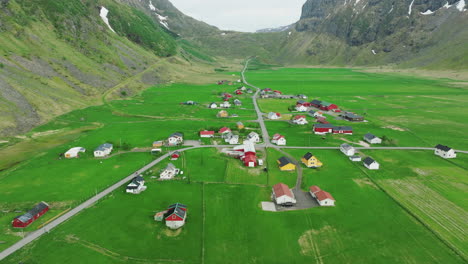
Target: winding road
[267, 143]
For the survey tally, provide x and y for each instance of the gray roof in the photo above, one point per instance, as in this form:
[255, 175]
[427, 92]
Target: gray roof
[104, 147]
[176, 209]
[170, 166]
[352, 115]
[316, 102]
[34, 211]
[324, 126]
[342, 128]
[177, 134]
[308, 155]
[369, 136]
[442, 147]
[346, 146]
[368, 161]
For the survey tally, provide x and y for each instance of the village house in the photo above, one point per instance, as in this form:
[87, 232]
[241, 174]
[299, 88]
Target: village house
[316, 103]
[315, 113]
[311, 161]
[445, 152]
[277, 92]
[207, 134]
[249, 91]
[237, 102]
[136, 186]
[285, 164]
[347, 130]
[302, 96]
[103, 150]
[371, 164]
[225, 104]
[213, 106]
[355, 158]
[273, 115]
[175, 139]
[253, 137]
[301, 108]
[347, 149]
[326, 106]
[224, 130]
[190, 103]
[227, 95]
[175, 216]
[282, 195]
[222, 114]
[175, 155]
[240, 125]
[322, 120]
[353, 117]
[231, 139]
[323, 198]
[74, 152]
[321, 129]
[300, 120]
[32, 215]
[157, 144]
[279, 140]
[169, 172]
[249, 156]
[372, 139]
[304, 103]
[238, 92]
[243, 88]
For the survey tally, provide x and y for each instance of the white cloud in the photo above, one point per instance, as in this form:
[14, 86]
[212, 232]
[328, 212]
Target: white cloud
[243, 15]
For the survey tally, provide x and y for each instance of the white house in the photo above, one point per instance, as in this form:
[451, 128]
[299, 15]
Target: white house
[323, 198]
[136, 186]
[300, 120]
[74, 152]
[232, 139]
[282, 195]
[347, 149]
[253, 137]
[169, 172]
[355, 158]
[225, 104]
[273, 115]
[315, 113]
[175, 216]
[372, 139]
[445, 152]
[175, 139]
[237, 102]
[301, 108]
[279, 140]
[213, 106]
[103, 150]
[371, 164]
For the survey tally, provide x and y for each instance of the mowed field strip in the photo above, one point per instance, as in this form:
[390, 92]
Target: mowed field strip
[223, 188]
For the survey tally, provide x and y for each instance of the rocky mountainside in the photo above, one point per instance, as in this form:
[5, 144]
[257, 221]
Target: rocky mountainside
[56, 56]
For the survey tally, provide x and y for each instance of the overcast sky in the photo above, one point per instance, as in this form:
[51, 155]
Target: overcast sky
[242, 15]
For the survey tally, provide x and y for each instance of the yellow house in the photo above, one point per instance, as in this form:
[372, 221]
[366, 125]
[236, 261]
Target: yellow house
[240, 125]
[285, 164]
[223, 114]
[311, 161]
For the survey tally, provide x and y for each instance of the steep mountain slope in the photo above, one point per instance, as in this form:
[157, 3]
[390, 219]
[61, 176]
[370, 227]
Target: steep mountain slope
[56, 56]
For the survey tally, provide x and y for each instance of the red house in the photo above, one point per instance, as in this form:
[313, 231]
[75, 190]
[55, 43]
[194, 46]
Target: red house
[175, 155]
[343, 130]
[323, 128]
[175, 216]
[206, 134]
[267, 89]
[322, 120]
[238, 92]
[249, 159]
[328, 106]
[226, 95]
[26, 219]
[224, 130]
[277, 92]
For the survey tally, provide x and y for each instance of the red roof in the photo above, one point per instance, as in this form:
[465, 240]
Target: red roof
[206, 133]
[281, 189]
[314, 189]
[299, 117]
[249, 157]
[224, 130]
[276, 91]
[277, 136]
[323, 195]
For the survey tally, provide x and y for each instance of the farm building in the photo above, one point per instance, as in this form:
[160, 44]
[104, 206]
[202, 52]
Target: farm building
[315, 113]
[282, 195]
[227, 95]
[445, 152]
[32, 215]
[225, 104]
[176, 215]
[159, 216]
[311, 161]
[273, 115]
[136, 186]
[249, 157]
[249, 91]
[222, 114]
[207, 134]
[213, 106]
[323, 198]
[157, 144]
[322, 129]
[300, 120]
[103, 150]
[355, 158]
[277, 92]
[238, 92]
[371, 164]
[224, 130]
[231, 139]
[285, 164]
[169, 172]
[326, 106]
[240, 125]
[175, 155]
[237, 102]
[372, 139]
[347, 149]
[353, 117]
[175, 139]
[190, 103]
[74, 152]
[253, 137]
[279, 140]
[301, 108]
[322, 120]
[304, 103]
[316, 103]
[347, 130]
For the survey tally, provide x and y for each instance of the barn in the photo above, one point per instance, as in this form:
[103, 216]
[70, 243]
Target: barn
[282, 195]
[353, 117]
[32, 215]
[316, 103]
[321, 129]
[347, 130]
[328, 106]
[74, 152]
[175, 155]
[207, 134]
[175, 216]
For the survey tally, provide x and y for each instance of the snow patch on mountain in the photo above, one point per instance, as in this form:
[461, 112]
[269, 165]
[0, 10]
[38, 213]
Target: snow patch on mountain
[151, 6]
[391, 9]
[427, 12]
[461, 6]
[163, 20]
[447, 5]
[410, 7]
[103, 14]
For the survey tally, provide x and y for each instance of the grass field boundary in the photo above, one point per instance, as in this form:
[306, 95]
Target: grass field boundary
[53, 218]
[419, 220]
[203, 225]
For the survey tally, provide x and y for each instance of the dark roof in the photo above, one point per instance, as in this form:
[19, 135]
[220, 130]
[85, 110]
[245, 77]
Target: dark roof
[316, 102]
[104, 147]
[308, 155]
[351, 115]
[301, 102]
[177, 210]
[177, 205]
[311, 112]
[324, 126]
[177, 134]
[283, 161]
[323, 103]
[368, 160]
[34, 211]
[369, 136]
[344, 128]
[442, 147]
